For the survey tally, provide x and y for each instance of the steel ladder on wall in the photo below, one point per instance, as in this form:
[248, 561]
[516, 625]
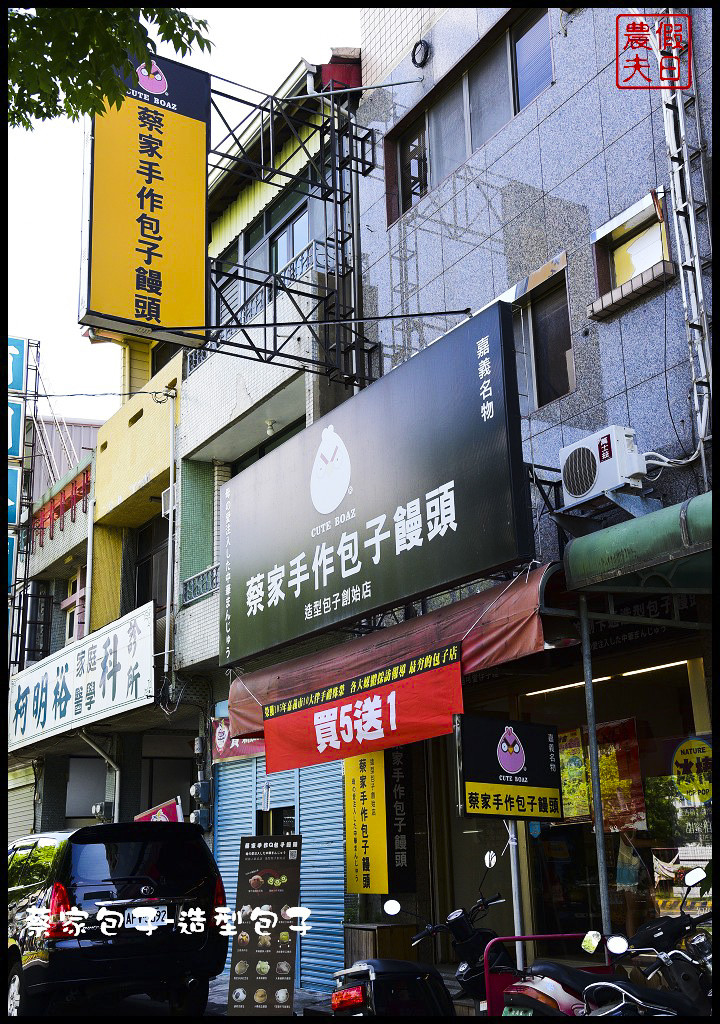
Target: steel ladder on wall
[686, 150]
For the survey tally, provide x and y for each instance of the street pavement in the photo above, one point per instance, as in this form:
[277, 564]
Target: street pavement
[142, 1006]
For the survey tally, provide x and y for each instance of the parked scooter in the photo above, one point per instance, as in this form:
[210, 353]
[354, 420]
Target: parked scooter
[552, 989]
[401, 988]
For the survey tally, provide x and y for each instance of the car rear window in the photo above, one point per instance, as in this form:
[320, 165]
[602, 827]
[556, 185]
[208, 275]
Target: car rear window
[166, 861]
[17, 859]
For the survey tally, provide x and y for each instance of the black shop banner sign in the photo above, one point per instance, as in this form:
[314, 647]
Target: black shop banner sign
[379, 827]
[262, 967]
[411, 486]
[510, 769]
[411, 700]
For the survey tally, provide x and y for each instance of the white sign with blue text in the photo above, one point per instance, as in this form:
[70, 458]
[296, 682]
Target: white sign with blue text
[101, 675]
[17, 364]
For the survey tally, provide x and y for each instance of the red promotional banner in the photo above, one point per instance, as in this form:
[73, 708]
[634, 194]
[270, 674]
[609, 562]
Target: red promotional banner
[401, 703]
[171, 810]
[225, 749]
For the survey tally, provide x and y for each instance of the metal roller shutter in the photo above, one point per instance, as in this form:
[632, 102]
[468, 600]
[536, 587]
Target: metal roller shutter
[234, 817]
[322, 874]
[21, 803]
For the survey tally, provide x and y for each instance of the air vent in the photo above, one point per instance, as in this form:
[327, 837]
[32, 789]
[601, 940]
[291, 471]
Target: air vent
[580, 472]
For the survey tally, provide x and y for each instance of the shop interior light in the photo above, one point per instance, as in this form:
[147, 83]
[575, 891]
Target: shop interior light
[654, 668]
[567, 686]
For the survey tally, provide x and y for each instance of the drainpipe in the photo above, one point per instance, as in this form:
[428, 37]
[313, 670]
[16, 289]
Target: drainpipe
[106, 757]
[594, 768]
[88, 571]
[171, 551]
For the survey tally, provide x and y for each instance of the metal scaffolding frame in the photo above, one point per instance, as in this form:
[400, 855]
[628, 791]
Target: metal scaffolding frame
[273, 136]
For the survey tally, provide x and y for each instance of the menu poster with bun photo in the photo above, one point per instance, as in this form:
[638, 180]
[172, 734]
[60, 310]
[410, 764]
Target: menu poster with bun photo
[262, 968]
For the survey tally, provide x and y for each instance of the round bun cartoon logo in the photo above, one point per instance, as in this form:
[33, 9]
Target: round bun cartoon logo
[221, 735]
[154, 82]
[510, 751]
[330, 477]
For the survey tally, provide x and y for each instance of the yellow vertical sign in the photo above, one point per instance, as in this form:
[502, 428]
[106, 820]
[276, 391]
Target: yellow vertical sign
[147, 251]
[366, 856]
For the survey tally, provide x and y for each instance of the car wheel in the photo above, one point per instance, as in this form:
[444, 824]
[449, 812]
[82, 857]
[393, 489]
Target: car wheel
[19, 1003]
[190, 1000]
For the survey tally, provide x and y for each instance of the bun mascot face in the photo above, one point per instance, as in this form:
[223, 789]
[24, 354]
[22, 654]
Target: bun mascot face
[510, 752]
[330, 477]
[154, 82]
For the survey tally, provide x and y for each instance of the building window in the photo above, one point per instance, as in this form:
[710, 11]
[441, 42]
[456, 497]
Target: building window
[491, 103]
[632, 256]
[151, 572]
[413, 165]
[509, 75]
[546, 369]
[638, 251]
[533, 58]
[74, 607]
[289, 242]
[161, 355]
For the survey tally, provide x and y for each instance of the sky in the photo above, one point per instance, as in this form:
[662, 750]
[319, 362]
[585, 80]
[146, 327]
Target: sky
[254, 46]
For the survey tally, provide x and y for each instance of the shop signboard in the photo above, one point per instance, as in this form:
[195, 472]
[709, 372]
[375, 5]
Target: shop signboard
[573, 774]
[12, 560]
[692, 770]
[16, 427]
[17, 364]
[379, 828]
[170, 810]
[411, 486]
[225, 749]
[262, 965]
[145, 253]
[14, 494]
[510, 769]
[401, 703]
[103, 674]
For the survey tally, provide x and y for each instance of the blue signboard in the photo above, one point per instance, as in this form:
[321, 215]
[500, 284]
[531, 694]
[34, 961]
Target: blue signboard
[12, 558]
[17, 364]
[14, 484]
[16, 428]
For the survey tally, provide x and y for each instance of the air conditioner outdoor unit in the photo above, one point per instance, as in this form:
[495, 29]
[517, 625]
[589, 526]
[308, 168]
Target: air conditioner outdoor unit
[601, 462]
[166, 500]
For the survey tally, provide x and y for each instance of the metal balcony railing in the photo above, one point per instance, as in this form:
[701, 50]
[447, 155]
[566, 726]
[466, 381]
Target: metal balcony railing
[200, 585]
[315, 255]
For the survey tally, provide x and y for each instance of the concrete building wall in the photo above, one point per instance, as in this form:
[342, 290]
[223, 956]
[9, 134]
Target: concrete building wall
[578, 155]
[388, 33]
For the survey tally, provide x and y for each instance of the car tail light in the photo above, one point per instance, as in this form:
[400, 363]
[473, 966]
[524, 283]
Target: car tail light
[344, 998]
[533, 993]
[218, 898]
[59, 904]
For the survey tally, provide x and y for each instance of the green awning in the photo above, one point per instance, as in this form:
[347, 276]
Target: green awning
[668, 551]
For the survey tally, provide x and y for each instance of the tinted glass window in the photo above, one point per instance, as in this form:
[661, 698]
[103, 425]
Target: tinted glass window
[40, 862]
[490, 96]
[448, 145]
[166, 862]
[533, 60]
[555, 375]
[16, 864]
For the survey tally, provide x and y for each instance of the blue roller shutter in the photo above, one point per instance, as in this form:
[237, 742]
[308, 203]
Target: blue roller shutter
[322, 874]
[234, 817]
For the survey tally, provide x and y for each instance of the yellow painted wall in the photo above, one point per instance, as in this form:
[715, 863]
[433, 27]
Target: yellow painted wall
[136, 364]
[106, 576]
[257, 195]
[133, 454]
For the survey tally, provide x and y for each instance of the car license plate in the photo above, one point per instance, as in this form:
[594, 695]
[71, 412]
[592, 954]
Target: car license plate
[517, 1011]
[140, 917]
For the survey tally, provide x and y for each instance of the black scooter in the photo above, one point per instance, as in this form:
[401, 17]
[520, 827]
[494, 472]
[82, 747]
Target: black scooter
[401, 988]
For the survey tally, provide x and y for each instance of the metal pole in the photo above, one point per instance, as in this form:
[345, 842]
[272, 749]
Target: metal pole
[594, 767]
[168, 591]
[516, 893]
[106, 757]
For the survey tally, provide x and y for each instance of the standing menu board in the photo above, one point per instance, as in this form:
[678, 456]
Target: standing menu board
[262, 967]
